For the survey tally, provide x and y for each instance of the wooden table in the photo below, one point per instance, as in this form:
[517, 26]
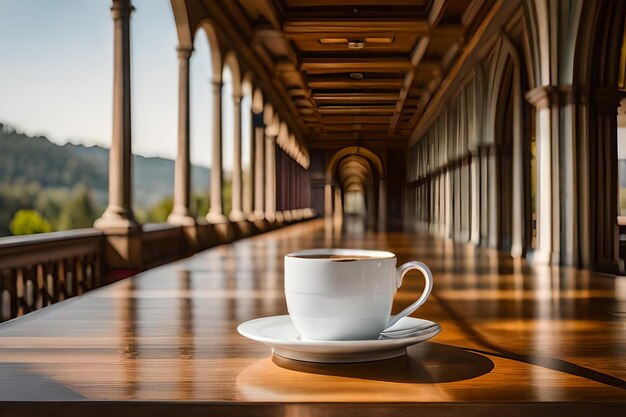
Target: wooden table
[516, 340]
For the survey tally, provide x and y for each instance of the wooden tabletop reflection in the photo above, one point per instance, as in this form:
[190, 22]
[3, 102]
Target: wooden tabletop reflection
[515, 339]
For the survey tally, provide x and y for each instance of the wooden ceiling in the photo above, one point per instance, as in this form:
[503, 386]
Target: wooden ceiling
[361, 69]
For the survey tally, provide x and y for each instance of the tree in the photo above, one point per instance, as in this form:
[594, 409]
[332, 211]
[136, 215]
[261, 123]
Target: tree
[159, 212]
[78, 212]
[200, 204]
[28, 222]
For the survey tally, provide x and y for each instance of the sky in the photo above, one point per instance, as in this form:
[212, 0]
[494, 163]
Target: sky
[56, 75]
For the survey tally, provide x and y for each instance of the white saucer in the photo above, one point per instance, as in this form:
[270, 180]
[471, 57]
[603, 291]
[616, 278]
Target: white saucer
[279, 333]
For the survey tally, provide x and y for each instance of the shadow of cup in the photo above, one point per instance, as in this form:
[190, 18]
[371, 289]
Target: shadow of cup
[427, 363]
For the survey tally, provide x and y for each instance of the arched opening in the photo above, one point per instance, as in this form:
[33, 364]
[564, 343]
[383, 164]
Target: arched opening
[247, 148]
[356, 174]
[601, 63]
[504, 144]
[55, 105]
[621, 156]
[204, 78]
[152, 198]
[510, 224]
[231, 131]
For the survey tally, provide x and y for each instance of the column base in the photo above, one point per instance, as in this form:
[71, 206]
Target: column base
[270, 216]
[517, 251]
[308, 213]
[609, 266]
[214, 217]
[540, 257]
[115, 218]
[181, 219]
[237, 216]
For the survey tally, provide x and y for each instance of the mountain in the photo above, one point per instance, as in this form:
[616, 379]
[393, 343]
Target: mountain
[26, 159]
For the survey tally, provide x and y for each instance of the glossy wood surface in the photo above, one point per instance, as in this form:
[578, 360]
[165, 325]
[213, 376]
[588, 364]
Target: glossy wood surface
[516, 340]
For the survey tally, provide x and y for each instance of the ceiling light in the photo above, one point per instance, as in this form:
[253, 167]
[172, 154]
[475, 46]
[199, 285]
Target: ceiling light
[356, 75]
[381, 39]
[356, 45]
[333, 40]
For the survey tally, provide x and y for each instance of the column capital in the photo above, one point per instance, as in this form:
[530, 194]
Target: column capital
[237, 98]
[121, 8]
[217, 86]
[184, 53]
[547, 96]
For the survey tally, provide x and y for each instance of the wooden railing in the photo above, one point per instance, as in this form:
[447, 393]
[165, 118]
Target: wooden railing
[162, 243]
[39, 270]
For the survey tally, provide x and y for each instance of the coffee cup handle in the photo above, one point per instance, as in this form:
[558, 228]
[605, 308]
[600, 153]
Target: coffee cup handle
[401, 271]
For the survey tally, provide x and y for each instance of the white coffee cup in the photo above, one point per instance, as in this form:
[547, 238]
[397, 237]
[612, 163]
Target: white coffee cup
[346, 294]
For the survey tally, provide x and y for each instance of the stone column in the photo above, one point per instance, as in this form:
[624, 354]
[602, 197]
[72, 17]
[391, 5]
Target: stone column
[118, 214]
[382, 204]
[338, 215]
[216, 212]
[270, 177]
[328, 199]
[248, 176]
[181, 213]
[259, 166]
[475, 199]
[494, 197]
[236, 213]
[556, 176]
[483, 194]
[598, 212]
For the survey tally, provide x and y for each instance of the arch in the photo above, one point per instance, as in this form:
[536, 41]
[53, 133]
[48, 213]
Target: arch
[247, 84]
[232, 63]
[214, 48]
[504, 128]
[247, 138]
[597, 66]
[283, 135]
[354, 150]
[257, 101]
[183, 28]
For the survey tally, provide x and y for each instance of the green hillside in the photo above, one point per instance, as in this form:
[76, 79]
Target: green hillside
[38, 174]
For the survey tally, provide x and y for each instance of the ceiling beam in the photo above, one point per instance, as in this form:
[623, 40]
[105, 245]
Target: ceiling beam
[356, 128]
[436, 12]
[321, 83]
[355, 25]
[356, 110]
[344, 65]
[340, 120]
[484, 29]
[355, 97]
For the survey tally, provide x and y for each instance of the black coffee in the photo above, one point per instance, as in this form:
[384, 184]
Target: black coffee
[337, 258]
